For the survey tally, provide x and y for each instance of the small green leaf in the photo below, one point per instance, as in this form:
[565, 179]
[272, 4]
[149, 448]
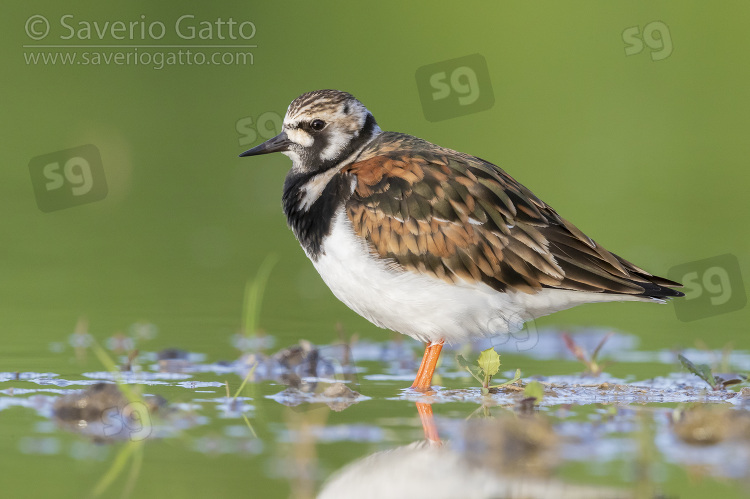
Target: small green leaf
[489, 362]
[515, 378]
[462, 361]
[534, 389]
[473, 370]
[701, 370]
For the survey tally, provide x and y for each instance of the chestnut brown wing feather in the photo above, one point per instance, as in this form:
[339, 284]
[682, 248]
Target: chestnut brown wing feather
[456, 217]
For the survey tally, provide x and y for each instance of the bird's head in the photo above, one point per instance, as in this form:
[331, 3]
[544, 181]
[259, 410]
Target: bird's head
[320, 130]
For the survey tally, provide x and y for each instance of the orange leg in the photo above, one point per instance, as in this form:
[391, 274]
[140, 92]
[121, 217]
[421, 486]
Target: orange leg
[428, 422]
[423, 381]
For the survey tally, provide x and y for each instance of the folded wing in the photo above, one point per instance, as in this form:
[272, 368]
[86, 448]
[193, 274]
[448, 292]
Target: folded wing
[456, 217]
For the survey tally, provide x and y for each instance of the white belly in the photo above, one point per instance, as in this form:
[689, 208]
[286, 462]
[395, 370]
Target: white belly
[424, 307]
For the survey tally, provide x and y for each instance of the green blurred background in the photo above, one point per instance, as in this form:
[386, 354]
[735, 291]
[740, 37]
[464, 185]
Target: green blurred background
[649, 157]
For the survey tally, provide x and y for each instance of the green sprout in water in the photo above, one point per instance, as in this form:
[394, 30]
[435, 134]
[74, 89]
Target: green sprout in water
[703, 371]
[721, 362]
[593, 366]
[133, 450]
[233, 400]
[254, 290]
[488, 364]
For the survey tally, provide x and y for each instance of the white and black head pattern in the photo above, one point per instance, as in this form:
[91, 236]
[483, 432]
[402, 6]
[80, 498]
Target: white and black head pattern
[321, 130]
[325, 127]
[321, 133]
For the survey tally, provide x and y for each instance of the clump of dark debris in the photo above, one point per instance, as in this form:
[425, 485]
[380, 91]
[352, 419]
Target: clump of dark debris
[173, 360]
[313, 375]
[300, 366]
[336, 396]
[104, 413]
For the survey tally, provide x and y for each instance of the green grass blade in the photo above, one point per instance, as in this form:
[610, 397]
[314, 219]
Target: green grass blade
[117, 467]
[254, 291]
[244, 381]
[109, 365]
[135, 471]
[247, 422]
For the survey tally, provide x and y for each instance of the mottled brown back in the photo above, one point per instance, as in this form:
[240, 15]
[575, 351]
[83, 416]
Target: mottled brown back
[447, 214]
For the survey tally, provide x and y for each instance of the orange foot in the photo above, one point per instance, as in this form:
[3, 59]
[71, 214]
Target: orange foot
[423, 381]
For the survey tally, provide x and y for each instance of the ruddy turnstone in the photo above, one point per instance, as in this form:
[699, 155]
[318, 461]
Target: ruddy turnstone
[430, 242]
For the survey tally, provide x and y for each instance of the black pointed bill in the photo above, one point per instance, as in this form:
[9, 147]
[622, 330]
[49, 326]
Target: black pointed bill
[280, 143]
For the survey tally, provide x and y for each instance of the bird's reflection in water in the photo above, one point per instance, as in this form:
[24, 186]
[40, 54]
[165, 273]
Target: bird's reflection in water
[506, 457]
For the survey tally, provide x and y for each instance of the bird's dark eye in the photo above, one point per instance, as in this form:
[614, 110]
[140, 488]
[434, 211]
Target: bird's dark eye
[318, 125]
